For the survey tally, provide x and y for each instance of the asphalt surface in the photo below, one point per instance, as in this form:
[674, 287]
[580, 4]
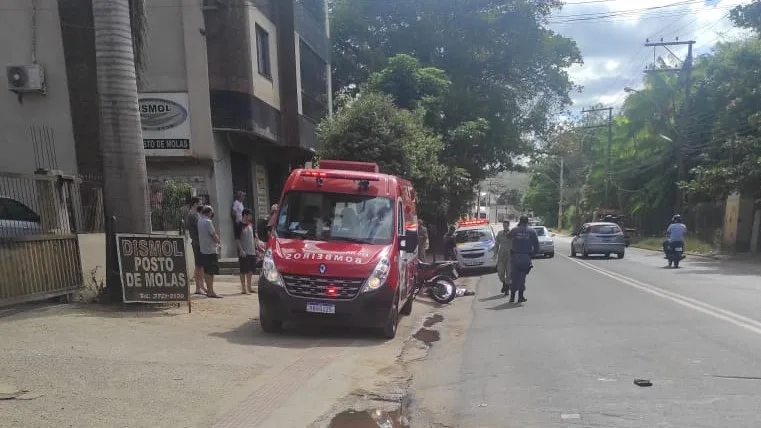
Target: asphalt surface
[569, 356]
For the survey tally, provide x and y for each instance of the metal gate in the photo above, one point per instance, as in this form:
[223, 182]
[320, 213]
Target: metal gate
[39, 250]
[38, 267]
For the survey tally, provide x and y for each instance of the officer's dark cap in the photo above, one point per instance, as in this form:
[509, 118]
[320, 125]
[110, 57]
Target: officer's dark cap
[523, 220]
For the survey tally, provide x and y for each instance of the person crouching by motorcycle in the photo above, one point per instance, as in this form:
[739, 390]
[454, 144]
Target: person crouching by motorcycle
[674, 235]
[525, 244]
[502, 249]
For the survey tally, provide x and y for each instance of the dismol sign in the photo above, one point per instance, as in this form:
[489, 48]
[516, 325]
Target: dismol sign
[165, 119]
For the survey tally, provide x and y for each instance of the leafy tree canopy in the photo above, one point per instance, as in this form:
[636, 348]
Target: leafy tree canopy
[716, 134]
[371, 128]
[508, 71]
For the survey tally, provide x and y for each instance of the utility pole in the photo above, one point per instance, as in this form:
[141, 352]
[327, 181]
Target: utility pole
[685, 73]
[560, 199]
[610, 143]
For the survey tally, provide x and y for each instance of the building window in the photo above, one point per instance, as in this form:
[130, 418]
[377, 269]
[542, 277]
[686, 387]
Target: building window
[263, 52]
[315, 9]
[314, 83]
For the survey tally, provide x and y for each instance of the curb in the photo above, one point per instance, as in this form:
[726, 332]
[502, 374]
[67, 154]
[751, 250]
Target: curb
[689, 253]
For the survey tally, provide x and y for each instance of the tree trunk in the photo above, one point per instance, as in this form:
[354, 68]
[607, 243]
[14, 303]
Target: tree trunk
[121, 142]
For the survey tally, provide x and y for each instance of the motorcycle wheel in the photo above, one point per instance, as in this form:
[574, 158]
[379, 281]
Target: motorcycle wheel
[670, 262]
[676, 264]
[443, 290]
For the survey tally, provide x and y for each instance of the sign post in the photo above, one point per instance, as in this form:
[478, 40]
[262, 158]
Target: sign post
[153, 268]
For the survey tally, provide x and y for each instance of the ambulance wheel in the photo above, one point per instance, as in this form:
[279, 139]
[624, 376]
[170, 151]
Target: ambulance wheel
[392, 322]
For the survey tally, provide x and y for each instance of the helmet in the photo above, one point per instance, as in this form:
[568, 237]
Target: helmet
[676, 219]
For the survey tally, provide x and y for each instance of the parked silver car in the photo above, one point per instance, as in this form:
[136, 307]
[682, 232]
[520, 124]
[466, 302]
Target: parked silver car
[546, 243]
[16, 219]
[599, 238]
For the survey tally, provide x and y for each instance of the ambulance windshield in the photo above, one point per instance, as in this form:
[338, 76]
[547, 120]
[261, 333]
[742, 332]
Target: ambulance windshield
[336, 217]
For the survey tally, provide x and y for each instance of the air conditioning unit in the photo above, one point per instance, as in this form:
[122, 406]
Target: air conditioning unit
[25, 78]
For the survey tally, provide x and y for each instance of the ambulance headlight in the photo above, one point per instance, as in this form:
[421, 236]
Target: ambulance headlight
[269, 271]
[379, 275]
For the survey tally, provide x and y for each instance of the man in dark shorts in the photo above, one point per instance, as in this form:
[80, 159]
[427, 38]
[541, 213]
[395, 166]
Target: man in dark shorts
[246, 251]
[208, 240]
[191, 223]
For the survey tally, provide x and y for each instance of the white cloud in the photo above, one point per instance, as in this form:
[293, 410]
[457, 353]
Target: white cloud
[613, 45]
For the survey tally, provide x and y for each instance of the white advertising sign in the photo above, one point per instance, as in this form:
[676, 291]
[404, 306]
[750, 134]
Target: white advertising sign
[165, 119]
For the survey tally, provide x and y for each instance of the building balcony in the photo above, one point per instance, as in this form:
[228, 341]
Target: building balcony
[311, 28]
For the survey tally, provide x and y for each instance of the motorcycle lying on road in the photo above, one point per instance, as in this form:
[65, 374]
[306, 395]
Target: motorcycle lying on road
[675, 253]
[437, 280]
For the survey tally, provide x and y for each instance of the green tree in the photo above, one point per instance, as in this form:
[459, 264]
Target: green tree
[410, 84]
[508, 71]
[512, 197]
[372, 129]
[716, 134]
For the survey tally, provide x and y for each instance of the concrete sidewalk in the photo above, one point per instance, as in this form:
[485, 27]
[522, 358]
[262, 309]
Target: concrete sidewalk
[133, 366]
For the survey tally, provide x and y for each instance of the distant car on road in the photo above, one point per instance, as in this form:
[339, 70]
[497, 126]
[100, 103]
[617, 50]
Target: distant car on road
[16, 219]
[599, 238]
[546, 241]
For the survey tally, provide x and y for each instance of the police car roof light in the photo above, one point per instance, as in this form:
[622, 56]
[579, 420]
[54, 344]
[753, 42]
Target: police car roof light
[478, 222]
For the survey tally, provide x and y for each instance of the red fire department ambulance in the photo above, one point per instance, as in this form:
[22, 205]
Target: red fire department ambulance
[343, 249]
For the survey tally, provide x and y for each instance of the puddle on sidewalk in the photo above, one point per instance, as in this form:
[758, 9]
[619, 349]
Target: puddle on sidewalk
[375, 418]
[433, 320]
[427, 336]
[369, 419]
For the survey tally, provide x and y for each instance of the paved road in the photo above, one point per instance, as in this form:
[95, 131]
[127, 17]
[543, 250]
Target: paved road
[568, 357]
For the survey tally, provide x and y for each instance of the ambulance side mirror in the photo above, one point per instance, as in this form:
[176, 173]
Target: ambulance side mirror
[409, 241]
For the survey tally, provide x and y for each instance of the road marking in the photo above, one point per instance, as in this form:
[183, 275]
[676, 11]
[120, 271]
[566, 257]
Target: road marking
[714, 311]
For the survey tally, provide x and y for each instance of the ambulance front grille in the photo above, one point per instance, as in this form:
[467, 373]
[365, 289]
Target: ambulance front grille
[316, 287]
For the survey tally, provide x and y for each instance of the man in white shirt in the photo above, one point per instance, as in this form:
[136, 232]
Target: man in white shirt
[238, 207]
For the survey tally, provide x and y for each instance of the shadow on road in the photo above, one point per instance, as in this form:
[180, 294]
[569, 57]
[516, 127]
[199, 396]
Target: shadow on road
[506, 305]
[494, 297]
[299, 335]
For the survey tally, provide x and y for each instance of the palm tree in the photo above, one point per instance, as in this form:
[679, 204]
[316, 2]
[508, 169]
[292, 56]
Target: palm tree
[120, 29]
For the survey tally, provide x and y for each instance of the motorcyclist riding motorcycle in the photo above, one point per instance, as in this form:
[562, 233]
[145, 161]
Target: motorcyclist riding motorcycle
[674, 234]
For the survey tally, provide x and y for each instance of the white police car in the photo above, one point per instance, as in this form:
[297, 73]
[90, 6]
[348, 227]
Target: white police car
[475, 241]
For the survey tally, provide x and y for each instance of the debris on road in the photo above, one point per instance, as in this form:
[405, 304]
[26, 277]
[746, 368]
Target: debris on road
[462, 291]
[643, 382]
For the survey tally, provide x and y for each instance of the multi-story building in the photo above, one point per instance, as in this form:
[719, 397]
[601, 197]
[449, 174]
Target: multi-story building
[229, 100]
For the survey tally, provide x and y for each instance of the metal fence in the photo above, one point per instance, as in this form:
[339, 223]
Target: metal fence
[169, 204]
[40, 215]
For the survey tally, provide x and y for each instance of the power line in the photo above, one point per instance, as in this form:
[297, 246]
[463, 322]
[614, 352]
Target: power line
[618, 13]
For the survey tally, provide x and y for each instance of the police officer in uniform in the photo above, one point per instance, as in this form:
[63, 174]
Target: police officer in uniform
[525, 244]
[502, 249]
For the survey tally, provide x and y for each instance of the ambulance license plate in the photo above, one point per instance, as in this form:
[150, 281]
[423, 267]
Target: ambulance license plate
[321, 308]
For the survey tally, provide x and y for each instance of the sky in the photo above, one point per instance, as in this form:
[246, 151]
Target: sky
[611, 36]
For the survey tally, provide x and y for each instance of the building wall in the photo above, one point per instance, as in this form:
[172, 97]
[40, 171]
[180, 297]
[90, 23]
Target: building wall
[177, 62]
[49, 115]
